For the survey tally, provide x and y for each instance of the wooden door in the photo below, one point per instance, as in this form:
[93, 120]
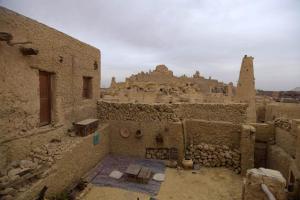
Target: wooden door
[45, 98]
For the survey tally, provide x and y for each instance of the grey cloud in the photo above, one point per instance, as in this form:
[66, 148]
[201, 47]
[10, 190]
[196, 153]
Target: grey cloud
[209, 36]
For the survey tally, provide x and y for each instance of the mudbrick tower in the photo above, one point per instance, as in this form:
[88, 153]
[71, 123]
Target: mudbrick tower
[245, 92]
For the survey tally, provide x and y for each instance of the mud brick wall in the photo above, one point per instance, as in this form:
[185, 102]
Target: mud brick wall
[235, 113]
[212, 132]
[171, 133]
[282, 110]
[66, 58]
[247, 143]
[264, 131]
[279, 160]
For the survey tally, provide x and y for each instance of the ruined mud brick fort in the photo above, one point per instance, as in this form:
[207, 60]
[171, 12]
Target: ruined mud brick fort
[50, 82]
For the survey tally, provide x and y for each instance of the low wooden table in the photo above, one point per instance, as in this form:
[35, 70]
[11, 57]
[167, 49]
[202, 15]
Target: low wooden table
[132, 172]
[144, 175]
[137, 173]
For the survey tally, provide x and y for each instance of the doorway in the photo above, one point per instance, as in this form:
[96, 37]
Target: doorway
[260, 154]
[45, 98]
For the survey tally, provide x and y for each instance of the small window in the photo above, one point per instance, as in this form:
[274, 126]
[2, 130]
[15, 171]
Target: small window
[87, 88]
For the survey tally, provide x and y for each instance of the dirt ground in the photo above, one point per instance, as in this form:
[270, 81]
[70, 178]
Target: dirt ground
[205, 184]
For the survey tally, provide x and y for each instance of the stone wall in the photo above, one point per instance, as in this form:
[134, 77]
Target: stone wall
[66, 58]
[235, 113]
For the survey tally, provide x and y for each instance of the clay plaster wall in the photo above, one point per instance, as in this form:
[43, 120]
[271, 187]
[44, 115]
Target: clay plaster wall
[282, 110]
[247, 145]
[211, 132]
[73, 165]
[235, 113]
[264, 131]
[260, 112]
[65, 57]
[132, 146]
[279, 160]
[286, 141]
[245, 91]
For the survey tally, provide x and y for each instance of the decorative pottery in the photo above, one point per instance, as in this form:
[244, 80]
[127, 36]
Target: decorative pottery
[124, 132]
[187, 163]
[138, 134]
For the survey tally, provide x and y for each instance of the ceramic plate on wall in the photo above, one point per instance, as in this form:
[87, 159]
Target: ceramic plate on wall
[124, 132]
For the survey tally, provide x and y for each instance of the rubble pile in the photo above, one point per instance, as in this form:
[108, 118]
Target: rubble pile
[283, 123]
[209, 155]
[18, 176]
[271, 179]
[52, 151]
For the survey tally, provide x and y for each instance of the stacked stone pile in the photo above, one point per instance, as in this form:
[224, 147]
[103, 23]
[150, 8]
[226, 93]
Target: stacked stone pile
[135, 112]
[235, 113]
[209, 155]
[156, 153]
[283, 123]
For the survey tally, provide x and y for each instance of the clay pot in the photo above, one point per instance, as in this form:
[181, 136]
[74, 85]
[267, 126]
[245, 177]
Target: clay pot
[187, 163]
[138, 134]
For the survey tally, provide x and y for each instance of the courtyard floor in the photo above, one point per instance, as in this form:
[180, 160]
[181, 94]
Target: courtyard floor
[203, 184]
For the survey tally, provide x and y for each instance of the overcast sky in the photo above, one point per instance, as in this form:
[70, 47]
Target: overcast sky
[206, 35]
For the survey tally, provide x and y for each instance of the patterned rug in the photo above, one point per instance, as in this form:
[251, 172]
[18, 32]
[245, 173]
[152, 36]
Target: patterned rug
[100, 174]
